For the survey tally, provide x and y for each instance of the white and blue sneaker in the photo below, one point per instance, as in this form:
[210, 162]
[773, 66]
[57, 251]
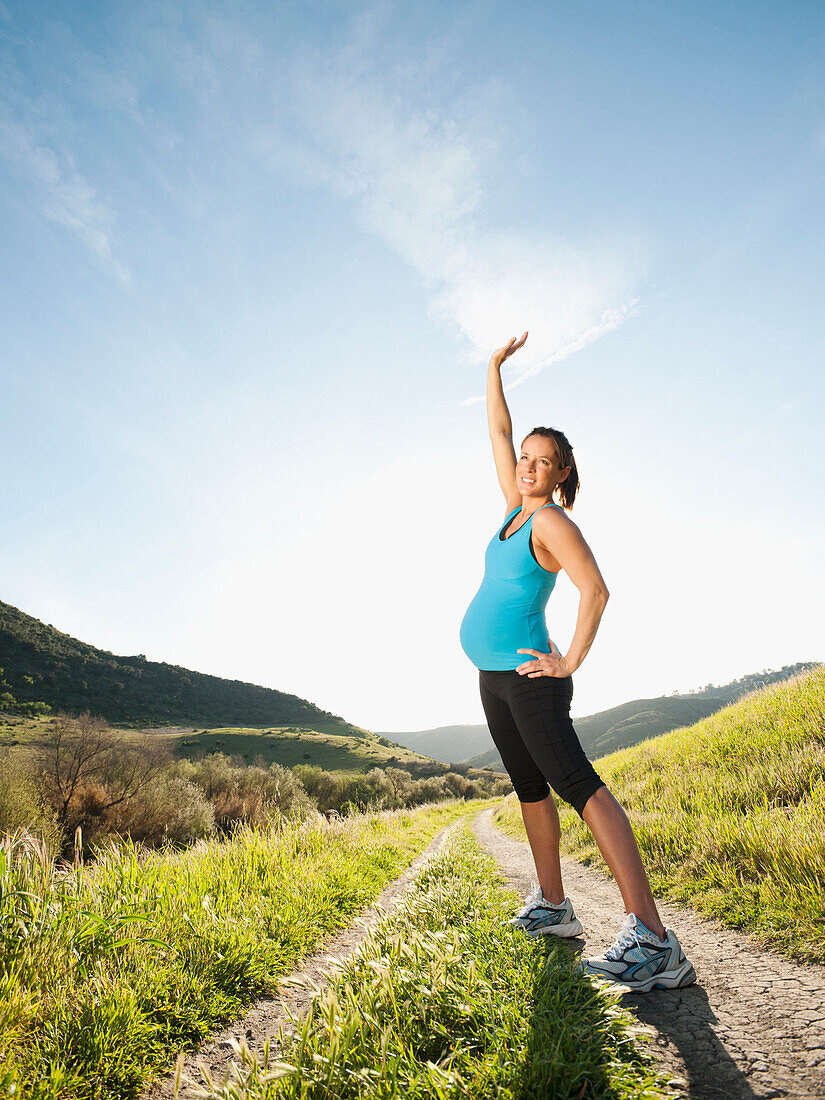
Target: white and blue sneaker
[538, 917]
[639, 961]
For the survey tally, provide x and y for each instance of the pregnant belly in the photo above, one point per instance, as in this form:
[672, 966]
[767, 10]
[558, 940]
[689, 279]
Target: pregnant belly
[492, 633]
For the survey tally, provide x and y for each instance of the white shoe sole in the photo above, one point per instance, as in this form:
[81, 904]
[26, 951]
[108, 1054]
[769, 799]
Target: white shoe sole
[671, 979]
[564, 931]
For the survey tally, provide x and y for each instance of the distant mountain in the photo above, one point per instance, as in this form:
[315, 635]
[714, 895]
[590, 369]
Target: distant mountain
[450, 744]
[605, 731]
[43, 669]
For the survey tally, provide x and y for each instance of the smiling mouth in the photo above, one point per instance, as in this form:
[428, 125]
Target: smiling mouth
[529, 481]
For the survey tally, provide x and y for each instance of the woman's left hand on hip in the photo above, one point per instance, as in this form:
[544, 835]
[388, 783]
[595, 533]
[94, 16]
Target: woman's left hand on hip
[545, 664]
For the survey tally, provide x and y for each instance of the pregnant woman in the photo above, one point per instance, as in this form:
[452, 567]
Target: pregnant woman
[526, 690]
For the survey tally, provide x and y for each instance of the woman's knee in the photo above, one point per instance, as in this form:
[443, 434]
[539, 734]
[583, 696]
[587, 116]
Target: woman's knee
[532, 789]
[577, 793]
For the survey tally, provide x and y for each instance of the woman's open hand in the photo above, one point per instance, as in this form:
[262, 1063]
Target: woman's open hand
[504, 353]
[546, 664]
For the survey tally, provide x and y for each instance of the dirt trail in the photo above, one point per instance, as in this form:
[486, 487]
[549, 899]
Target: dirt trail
[753, 1025]
[265, 1016]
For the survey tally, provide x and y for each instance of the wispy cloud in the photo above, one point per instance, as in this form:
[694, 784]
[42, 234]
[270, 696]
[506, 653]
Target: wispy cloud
[419, 176]
[64, 195]
[398, 130]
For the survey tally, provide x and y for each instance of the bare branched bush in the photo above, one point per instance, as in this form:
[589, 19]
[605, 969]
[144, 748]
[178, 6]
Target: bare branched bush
[88, 768]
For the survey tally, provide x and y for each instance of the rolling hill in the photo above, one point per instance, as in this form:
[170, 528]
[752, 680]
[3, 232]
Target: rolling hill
[42, 669]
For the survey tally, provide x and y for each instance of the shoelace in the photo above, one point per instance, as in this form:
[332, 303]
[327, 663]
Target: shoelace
[627, 937]
[534, 899]
[531, 899]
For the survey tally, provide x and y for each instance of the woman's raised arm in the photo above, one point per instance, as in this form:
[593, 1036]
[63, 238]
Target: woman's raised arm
[500, 425]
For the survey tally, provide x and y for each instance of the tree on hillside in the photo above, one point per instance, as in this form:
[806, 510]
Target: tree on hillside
[81, 752]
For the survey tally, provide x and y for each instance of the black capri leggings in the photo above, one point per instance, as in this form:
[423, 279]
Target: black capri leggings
[529, 720]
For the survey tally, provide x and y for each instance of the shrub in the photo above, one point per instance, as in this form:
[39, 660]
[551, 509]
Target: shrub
[251, 793]
[87, 767]
[170, 808]
[22, 805]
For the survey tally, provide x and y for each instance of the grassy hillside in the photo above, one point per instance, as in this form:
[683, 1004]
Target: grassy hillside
[285, 745]
[41, 668]
[730, 814]
[628, 724]
[293, 745]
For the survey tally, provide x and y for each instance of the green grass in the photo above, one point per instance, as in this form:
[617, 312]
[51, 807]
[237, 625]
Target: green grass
[290, 745]
[444, 1000]
[729, 814]
[106, 970]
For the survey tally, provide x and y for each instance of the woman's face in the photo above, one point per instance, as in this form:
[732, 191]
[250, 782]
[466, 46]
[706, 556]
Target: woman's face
[538, 471]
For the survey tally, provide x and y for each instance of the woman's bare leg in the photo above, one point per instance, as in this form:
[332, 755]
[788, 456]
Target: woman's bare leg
[541, 821]
[612, 831]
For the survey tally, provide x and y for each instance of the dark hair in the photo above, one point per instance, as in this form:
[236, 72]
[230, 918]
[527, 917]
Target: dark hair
[568, 488]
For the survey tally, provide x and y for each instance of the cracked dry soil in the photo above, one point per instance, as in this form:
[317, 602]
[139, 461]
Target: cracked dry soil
[753, 1025]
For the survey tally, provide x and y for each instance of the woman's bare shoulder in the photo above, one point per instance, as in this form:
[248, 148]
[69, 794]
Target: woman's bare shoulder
[550, 523]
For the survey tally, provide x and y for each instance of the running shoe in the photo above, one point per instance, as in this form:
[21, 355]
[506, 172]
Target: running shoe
[640, 961]
[538, 917]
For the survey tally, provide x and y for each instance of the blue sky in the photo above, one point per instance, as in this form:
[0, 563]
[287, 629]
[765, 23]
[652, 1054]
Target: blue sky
[255, 258]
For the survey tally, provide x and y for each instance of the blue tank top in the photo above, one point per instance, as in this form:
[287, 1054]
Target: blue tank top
[507, 612]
